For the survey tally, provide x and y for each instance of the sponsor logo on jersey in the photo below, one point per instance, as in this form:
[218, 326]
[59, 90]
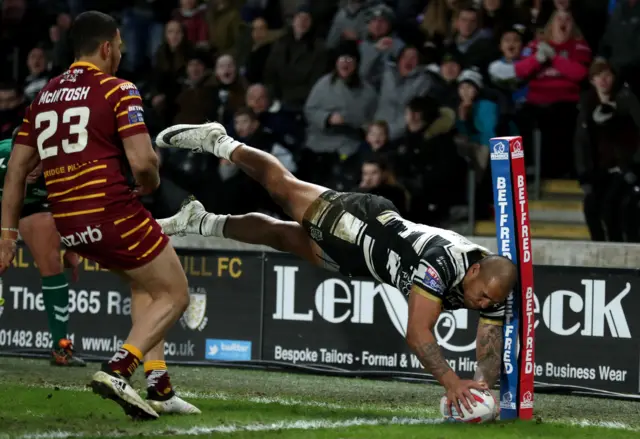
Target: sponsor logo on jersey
[135, 113]
[433, 281]
[71, 75]
[444, 267]
[89, 236]
[316, 233]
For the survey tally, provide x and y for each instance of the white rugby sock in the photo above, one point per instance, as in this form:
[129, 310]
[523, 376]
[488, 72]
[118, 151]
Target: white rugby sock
[208, 224]
[224, 146]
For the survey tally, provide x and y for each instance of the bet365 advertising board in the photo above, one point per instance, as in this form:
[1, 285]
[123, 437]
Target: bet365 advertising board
[274, 307]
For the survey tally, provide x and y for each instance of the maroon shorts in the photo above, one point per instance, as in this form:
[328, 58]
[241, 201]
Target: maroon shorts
[124, 244]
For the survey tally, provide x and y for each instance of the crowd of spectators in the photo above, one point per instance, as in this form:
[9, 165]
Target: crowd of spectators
[396, 97]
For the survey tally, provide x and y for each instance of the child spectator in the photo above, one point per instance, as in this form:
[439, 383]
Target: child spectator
[502, 71]
[377, 136]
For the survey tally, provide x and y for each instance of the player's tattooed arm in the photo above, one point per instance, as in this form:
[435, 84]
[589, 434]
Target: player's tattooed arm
[430, 355]
[424, 311]
[488, 353]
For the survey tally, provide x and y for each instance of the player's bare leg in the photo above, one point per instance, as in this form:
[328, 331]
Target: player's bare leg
[160, 394]
[41, 237]
[163, 279]
[293, 195]
[252, 228]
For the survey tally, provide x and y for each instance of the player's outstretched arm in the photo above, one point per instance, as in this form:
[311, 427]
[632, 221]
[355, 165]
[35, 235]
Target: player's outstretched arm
[488, 352]
[424, 311]
[23, 160]
[144, 162]
[423, 315]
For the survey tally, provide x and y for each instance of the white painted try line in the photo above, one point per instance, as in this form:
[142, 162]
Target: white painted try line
[234, 428]
[279, 425]
[425, 411]
[614, 425]
[222, 396]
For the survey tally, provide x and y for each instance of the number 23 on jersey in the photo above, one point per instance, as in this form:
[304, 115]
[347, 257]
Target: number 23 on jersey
[76, 118]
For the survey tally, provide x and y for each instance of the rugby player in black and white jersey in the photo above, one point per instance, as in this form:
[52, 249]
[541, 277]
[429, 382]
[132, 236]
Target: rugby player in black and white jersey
[363, 235]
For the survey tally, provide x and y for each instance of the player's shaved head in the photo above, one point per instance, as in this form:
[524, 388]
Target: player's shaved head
[501, 272]
[488, 282]
[90, 30]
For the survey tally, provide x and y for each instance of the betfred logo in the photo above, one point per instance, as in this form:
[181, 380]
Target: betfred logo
[524, 223]
[503, 219]
[517, 152]
[527, 400]
[89, 236]
[500, 151]
[507, 352]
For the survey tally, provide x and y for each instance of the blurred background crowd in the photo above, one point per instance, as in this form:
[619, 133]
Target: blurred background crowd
[397, 98]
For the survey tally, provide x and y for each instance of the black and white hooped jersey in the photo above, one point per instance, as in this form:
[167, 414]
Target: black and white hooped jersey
[436, 260]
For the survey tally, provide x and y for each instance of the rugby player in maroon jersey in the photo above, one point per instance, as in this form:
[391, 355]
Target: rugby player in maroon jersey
[86, 126]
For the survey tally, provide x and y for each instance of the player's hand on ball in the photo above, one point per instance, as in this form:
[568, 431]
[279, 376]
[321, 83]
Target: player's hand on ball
[459, 392]
[7, 253]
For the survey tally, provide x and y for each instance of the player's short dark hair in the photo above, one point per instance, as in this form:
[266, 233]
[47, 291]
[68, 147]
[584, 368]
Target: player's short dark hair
[89, 30]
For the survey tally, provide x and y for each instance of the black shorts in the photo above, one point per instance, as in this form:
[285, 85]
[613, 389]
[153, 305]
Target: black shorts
[32, 208]
[336, 221]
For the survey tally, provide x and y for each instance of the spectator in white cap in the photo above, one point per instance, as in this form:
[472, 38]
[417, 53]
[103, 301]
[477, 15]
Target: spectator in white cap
[380, 46]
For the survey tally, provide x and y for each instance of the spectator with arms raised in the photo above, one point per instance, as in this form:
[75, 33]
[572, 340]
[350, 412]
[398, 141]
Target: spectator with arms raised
[380, 46]
[349, 23]
[557, 64]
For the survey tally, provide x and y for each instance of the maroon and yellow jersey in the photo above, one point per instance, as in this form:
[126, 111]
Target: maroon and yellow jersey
[78, 122]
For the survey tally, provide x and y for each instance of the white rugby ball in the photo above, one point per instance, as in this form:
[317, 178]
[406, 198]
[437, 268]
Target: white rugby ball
[486, 409]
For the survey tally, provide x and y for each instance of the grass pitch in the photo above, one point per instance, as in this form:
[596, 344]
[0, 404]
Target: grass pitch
[39, 401]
